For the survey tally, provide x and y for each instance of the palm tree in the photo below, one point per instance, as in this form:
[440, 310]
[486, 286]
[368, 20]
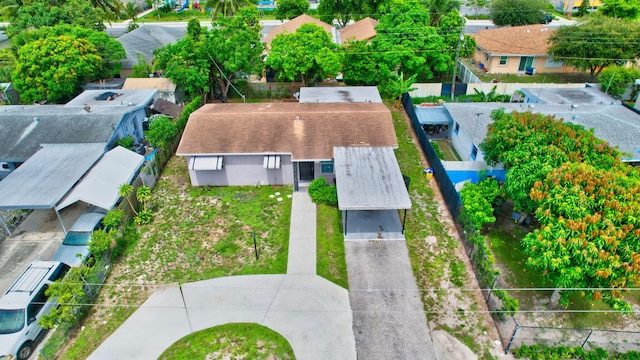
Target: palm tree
[225, 7]
[125, 190]
[112, 8]
[9, 8]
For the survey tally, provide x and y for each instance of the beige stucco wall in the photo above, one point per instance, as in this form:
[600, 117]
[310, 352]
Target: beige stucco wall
[513, 63]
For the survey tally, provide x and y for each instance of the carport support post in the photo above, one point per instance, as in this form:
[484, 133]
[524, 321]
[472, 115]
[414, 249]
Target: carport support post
[404, 219]
[345, 221]
[4, 223]
[61, 222]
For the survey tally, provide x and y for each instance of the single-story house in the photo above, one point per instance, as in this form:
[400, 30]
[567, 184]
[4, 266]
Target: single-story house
[144, 40]
[517, 50]
[94, 116]
[278, 143]
[570, 6]
[361, 30]
[167, 90]
[294, 24]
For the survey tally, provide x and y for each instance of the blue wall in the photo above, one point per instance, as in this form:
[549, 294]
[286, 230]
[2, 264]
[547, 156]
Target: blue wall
[457, 176]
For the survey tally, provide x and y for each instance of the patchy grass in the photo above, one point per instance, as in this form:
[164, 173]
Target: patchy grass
[436, 255]
[447, 150]
[331, 262]
[197, 233]
[231, 341]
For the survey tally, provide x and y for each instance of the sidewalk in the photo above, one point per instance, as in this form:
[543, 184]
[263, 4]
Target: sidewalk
[313, 314]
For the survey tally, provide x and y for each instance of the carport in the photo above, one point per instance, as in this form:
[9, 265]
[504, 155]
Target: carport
[58, 175]
[371, 190]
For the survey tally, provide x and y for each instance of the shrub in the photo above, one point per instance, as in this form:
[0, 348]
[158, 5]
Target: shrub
[126, 142]
[162, 131]
[323, 193]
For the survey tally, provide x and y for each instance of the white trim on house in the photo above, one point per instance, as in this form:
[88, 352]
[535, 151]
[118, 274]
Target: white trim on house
[206, 163]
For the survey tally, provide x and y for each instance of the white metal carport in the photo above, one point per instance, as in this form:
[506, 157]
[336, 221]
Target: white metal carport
[371, 186]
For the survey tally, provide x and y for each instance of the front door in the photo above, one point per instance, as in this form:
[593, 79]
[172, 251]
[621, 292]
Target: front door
[306, 171]
[526, 62]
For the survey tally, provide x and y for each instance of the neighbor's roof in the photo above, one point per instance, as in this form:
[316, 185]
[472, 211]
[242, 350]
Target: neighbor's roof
[25, 128]
[48, 175]
[364, 29]
[165, 107]
[334, 94]
[582, 95]
[146, 39]
[162, 84]
[113, 98]
[517, 40]
[370, 179]
[294, 24]
[308, 131]
[100, 187]
[614, 124]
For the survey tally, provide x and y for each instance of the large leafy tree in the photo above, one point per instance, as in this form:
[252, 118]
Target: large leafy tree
[406, 43]
[110, 50]
[623, 9]
[439, 8]
[306, 54]
[517, 12]
[586, 200]
[597, 43]
[234, 44]
[55, 68]
[187, 61]
[42, 13]
[342, 11]
[477, 5]
[222, 8]
[288, 9]
[360, 66]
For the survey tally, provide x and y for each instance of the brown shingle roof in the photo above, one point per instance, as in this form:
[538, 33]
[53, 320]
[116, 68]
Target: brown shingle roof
[364, 29]
[308, 131]
[518, 40]
[292, 25]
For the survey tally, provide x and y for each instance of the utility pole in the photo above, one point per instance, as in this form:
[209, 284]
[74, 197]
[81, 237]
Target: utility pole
[455, 63]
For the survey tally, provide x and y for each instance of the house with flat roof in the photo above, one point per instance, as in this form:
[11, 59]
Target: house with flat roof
[517, 50]
[167, 90]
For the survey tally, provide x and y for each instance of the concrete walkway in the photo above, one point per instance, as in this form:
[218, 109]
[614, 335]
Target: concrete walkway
[313, 314]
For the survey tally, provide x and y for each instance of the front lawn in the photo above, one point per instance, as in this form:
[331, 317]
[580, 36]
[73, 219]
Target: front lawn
[197, 233]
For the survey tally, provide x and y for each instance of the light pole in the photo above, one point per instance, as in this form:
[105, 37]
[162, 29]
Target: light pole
[455, 63]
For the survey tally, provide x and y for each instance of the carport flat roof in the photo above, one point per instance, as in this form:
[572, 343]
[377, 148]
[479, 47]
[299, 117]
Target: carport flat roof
[369, 178]
[48, 175]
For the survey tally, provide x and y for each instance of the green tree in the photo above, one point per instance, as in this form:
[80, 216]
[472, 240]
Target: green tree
[439, 8]
[307, 54]
[162, 131]
[125, 191]
[342, 11]
[595, 44]
[398, 85]
[478, 200]
[221, 8]
[622, 9]
[289, 9]
[517, 12]
[234, 44]
[55, 68]
[71, 295]
[360, 64]
[583, 9]
[142, 69]
[616, 79]
[477, 5]
[406, 43]
[40, 13]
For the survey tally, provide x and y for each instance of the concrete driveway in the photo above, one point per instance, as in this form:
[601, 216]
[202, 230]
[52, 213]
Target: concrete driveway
[36, 238]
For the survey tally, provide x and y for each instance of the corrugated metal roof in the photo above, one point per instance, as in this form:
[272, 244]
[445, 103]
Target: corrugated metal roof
[369, 178]
[48, 175]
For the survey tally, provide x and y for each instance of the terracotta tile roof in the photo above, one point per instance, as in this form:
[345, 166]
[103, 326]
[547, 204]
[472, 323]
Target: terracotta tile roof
[162, 84]
[518, 40]
[292, 25]
[364, 29]
[308, 131]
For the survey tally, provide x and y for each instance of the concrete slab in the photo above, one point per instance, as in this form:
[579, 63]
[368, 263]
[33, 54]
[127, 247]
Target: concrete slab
[302, 235]
[364, 225]
[388, 316]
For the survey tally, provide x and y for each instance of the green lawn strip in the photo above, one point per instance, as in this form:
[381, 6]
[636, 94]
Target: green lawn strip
[231, 341]
[331, 262]
[436, 266]
[182, 16]
[197, 233]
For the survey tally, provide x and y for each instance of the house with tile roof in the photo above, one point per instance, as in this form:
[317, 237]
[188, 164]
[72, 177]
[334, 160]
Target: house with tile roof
[517, 50]
[167, 90]
[278, 143]
[362, 30]
[294, 24]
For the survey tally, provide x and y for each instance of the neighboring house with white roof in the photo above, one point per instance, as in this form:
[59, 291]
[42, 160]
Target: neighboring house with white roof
[167, 90]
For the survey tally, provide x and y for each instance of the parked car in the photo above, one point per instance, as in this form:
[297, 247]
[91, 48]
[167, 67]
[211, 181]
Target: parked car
[75, 246]
[22, 307]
